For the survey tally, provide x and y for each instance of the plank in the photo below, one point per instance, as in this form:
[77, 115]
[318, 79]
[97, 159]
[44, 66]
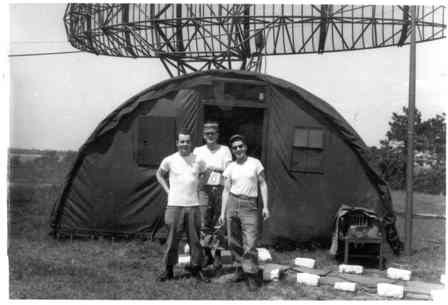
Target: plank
[421, 287]
[320, 272]
[417, 296]
[369, 281]
[329, 280]
[423, 215]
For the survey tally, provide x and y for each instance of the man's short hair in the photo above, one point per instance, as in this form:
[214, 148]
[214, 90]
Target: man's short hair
[237, 137]
[211, 124]
[184, 132]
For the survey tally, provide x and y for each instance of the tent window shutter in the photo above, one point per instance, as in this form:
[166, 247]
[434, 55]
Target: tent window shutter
[155, 139]
[307, 150]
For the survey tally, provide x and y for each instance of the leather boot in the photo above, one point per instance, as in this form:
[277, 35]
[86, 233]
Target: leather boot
[238, 275]
[197, 273]
[252, 282]
[167, 275]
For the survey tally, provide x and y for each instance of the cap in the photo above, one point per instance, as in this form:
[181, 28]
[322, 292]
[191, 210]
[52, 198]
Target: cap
[237, 137]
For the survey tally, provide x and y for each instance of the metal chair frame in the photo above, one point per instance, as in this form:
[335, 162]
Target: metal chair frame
[360, 219]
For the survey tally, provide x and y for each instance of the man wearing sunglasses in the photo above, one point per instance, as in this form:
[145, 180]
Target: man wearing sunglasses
[216, 158]
[243, 177]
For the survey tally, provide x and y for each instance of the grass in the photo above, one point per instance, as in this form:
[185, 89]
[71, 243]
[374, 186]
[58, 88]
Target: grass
[44, 268]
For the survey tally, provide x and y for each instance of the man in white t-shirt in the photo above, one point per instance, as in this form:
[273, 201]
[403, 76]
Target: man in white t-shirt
[243, 178]
[182, 211]
[216, 158]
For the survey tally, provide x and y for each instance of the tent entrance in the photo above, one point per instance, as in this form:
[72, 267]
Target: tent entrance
[239, 120]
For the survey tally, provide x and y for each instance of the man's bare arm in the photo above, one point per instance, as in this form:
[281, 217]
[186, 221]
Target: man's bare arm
[225, 198]
[160, 175]
[264, 194]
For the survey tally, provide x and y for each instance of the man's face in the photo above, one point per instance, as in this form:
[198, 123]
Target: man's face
[239, 149]
[184, 144]
[211, 135]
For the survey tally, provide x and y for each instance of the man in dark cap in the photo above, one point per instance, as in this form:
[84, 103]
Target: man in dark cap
[243, 178]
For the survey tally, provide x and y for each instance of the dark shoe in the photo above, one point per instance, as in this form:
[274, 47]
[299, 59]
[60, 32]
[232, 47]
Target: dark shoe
[199, 275]
[188, 268]
[166, 275]
[252, 282]
[238, 276]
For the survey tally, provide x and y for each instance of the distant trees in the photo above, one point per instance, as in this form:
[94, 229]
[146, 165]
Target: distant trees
[430, 152]
[39, 166]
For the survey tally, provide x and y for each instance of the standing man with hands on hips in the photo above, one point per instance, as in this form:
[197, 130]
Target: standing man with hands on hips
[243, 177]
[182, 212]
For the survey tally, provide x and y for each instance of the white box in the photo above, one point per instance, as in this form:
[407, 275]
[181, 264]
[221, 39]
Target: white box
[308, 279]
[357, 269]
[274, 275]
[304, 262]
[345, 286]
[264, 255]
[184, 259]
[398, 274]
[390, 290]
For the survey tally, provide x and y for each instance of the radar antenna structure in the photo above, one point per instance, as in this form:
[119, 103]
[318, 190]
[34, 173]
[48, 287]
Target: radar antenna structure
[197, 37]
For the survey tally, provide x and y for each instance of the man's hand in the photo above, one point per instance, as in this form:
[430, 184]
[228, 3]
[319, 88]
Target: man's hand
[266, 213]
[221, 219]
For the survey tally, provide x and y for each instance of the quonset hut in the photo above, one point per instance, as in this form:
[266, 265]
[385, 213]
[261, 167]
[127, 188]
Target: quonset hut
[314, 160]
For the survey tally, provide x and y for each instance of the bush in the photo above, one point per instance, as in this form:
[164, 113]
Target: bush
[430, 181]
[391, 165]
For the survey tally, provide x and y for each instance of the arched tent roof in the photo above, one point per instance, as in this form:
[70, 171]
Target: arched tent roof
[331, 116]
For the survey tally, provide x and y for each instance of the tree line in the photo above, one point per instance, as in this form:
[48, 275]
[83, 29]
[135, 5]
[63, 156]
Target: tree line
[390, 157]
[51, 166]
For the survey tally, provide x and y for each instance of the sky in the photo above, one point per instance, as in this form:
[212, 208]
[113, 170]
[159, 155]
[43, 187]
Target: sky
[56, 101]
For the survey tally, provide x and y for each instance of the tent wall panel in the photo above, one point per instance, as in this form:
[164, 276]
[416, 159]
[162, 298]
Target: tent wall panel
[107, 191]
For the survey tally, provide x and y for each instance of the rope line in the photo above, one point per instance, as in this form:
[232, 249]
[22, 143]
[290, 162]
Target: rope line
[40, 54]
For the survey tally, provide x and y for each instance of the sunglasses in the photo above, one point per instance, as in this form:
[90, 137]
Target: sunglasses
[210, 133]
[241, 146]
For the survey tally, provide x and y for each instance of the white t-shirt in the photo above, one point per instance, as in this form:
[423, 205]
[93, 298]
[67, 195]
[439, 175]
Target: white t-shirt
[183, 179]
[217, 158]
[244, 177]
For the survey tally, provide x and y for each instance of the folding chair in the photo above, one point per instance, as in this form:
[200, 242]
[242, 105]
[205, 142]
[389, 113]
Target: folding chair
[362, 230]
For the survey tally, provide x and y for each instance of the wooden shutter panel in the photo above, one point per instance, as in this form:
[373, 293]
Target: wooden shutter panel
[300, 137]
[316, 138]
[307, 150]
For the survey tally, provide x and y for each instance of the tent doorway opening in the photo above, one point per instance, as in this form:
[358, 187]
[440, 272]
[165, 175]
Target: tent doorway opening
[238, 120]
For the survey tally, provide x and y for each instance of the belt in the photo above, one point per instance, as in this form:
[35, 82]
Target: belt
[243, 197]
[217, 171]
[219, 186]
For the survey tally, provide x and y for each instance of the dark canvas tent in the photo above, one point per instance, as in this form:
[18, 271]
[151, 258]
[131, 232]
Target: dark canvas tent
[314, 160]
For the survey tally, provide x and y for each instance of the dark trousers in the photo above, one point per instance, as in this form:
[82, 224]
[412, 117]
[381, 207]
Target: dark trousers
[180, 220]
[209, 214]
[242, 217]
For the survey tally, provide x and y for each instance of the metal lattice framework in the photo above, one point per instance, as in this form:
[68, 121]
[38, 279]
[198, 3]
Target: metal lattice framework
[195, 37]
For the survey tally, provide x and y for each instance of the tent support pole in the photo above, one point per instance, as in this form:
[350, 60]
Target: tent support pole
[410, 139]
